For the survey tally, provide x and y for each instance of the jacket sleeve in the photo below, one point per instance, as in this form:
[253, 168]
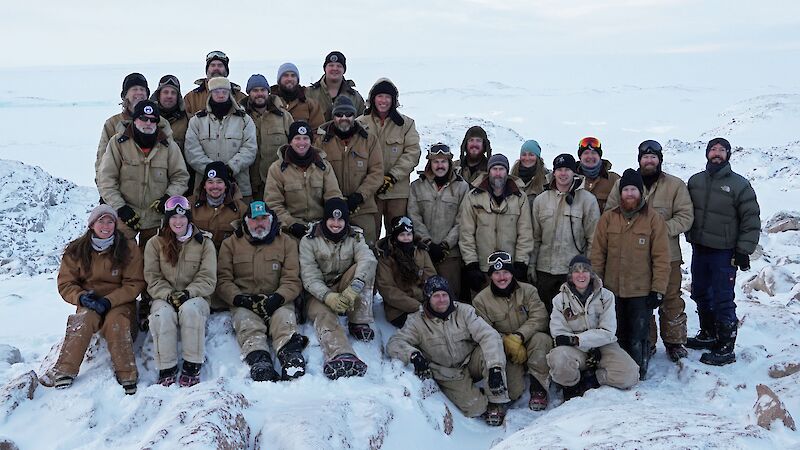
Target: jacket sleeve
[205, 280]
[178, 175]
[290, 285]
[330, 185]
[659, 254]
[454, 234]
[315, 116]
[365, 261]
[537, 316]
[275, 195]
[157, 286]
[600, 245]
[374, 178]
[749, 213]
[310, 273]
[487, 337]
[108, 178]
[392, 295]
[102, 146]
[524, 247]
[613, 198]
[591, 215]
[132, 278]
[682, 211]
[406, 341]
[195, 155]
[409, 159]
[414, 213]
[558, 323]
[226, 287]
[466, 240]
[246, 155]
[536, 228]
[69, 284]
[606, 332]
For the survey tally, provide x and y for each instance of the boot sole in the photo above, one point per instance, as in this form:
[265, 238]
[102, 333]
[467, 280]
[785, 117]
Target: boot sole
[345, 368]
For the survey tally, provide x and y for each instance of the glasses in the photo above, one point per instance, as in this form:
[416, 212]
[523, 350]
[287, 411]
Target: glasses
[175, 202]
[589, 142]
[343, 114]
[439, 149]
[499, 257]
[148, 119]
[217, 54]
[650, 146]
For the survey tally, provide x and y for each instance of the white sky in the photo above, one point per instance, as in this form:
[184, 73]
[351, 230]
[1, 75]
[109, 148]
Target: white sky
[49, 32]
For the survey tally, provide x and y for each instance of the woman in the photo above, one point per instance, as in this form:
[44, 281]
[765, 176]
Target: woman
[403, 266]
[100, 273]
[181, 274]
[531, 170]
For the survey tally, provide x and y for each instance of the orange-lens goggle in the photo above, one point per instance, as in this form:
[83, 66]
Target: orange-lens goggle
[589, 142]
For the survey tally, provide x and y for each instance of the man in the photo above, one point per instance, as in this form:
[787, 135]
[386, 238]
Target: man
[516, 312]
[724, 234]
[259, 276]
[474, 351]
[475, 153]
[667, 194]
[598, 179]
[223, 132]
[332, 86]
[357, 161]
[170, 105]
[272, 121]
[630, 253]
[564, 218]
[338, 270]
[434, 207]
[495, 214]
[215, 204]
[301, 106]
[216, 66]
[531, 170]
[399, 142]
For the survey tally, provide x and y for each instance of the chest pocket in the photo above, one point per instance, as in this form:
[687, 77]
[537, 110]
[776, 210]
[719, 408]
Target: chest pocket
[242, 266]
[358, 161]
[192, 263]
[393, 149]
[130, 170]
[234, 130]
[159, 169]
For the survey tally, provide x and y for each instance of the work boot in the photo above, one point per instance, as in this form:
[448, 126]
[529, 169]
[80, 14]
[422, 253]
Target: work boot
[129, 387]
[293, 365]
[495, 414]
[722, 351]
[361, 331]
[588, 381]
[344, 365]
[167, 377]
[63, 381]
[676, 351]
[707, 336]
[261, 368]
[538, 401]
[190, 375]
[570, 392]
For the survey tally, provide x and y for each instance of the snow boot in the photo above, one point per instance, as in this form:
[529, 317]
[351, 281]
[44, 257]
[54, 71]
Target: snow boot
[538, 400]
[588, 382]
[344, 365]
[167, 377]
[190, 375]
[261, 368]
[570, 392]
[707, 336]
[495, 414]
[722, 351]
[63, 381]
[676, 351]
[129, 388]
[293, 365]
[361, 331]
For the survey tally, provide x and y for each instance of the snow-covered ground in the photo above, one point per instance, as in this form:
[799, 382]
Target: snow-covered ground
[52, 119]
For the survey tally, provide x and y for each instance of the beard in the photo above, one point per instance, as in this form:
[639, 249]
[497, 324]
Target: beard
[629, 204]
[259, 102]
[259, 232]
[497, 183]
[648, 170]
[344, 127]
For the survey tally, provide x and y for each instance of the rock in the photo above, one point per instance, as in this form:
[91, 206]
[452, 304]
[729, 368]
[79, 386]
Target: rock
[17, 391]
[771, 280]
[783, 369]
[9, 354]
[783, 221]
[769, 408]
[448, 421]
[7, 444]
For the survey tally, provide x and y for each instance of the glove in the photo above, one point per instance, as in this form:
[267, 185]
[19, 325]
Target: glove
[87, 296]
[515, 348]
[388, 183]
[243, 301]
[475, 276]
[593, 358]
[99, 305]
[521, 271]
[421, 367]
[354, 200]
[231, 173]
[337, 302]
[298, 230]
[495, 382]
[438, 252]
[741, 260]
[571, 341]
[129, 217]
[353, 292]
[655, 300]
[266, 305]
[177, 298]
[158, 205]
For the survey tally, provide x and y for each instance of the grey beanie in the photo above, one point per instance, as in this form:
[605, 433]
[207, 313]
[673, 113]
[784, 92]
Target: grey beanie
[287, 67]
[256, 80]
[497, 160]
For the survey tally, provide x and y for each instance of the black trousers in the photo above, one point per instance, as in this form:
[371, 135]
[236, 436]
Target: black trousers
[633, 330]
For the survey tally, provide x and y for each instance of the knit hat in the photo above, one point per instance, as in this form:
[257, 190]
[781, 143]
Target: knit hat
[217, 55]
[335, 56]
[651, 147]
[336, 208]
[631, 178]
[177, 205]
[217, 169]
[288, 67]
[148, 107]
[724, 142]
[400, 224]
[565, 160]
[343, 105]
[435, 284]
[131, 80]
[499, 260]
[299, 128]
[531, 146]
[588, 142]
[497, 160]
[578, 260]
[100, 211]
[255, 80]
[219, 83]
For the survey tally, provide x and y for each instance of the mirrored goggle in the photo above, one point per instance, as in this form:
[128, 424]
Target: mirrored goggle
[176, 201]
[499, 257]
[439, 149]
[650, 146]
[589, 142]
[217, 54]
[404, 223]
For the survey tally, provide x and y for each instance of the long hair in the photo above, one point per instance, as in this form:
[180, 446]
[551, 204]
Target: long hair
[407, 266]
[170, 247]
[81, 250]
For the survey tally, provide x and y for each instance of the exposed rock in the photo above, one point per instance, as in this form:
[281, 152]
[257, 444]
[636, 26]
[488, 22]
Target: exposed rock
[772, 280]
[769, 408]
[9, 354]
[7, 444]
[448, 421]
[17, 391]
[783, 369]
[783, 221]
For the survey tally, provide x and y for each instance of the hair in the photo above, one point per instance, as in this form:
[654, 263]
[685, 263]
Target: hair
[170, 247]
[81, 250]
[409, 270]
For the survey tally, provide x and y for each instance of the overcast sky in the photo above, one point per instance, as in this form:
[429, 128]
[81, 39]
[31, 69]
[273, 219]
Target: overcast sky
[51, 32]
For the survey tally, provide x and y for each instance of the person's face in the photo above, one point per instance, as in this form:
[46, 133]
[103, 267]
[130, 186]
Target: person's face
[648, 164]
[289, 81]
[216, 69]
[301, 143]
[220, 95]
[580, 279]
[717, 154]
[334, 71]
[528, 159]
[563, 176]
[344, 121]
[440, 301]
[497, 176]
[168, 97]
[135, 95]
[178, 224]
[104, 227]
[475, 146]
[501, 278]
[146, 123]
[215, 187]
[258, 96]
[383, 102]
[590, 157]
[335, 225]
[405, 237]
[259, 227]
[440, 166]
[630, 197]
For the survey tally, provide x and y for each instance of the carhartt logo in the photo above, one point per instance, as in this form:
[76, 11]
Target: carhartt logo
[360, 163]
[642, 241]
[726, 188]
[275, 266]
[148, 109]
[115, 272]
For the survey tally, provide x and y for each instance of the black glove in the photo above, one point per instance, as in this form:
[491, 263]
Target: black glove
[421, 367]
[438, 252]
[87, 296]
[521, 271]
[99, 305]
[243, 301]
[388, 183]
[655, 300]
[298, 230]
[129, 217]
[741, 260]
[495, 382]
[265, 305]
[353, 201]
[476, 278]
[231, 173]
[593, 358]
[177, 298]
[571, 341]
[158, 205]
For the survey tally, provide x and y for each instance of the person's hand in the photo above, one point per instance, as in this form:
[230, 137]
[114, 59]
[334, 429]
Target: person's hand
[337, 302]
[298, 230]
[655, 300]
[571, 341]
[354, 200]
[158, 205]
[178, 298]
[438, 252]
[388, 183]
[515, 348]
[421, 367]
[265, 305]
[741, 260]
[129, 217]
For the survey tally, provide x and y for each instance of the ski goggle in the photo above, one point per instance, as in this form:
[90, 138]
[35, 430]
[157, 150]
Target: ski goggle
[439, 149]
[499, 259]
[177, 203]
[216, 54]
[403, 223]
[650, 146]
[589, 142]
[169, 80]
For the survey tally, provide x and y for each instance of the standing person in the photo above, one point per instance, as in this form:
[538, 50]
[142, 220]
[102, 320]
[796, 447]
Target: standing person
[668, 195]
[434, 207]
[301, 106]
[515, 310]
[630, 253]
[171, 108]
[101, 274]
[180, 267]
[724, 234]
[531, 170]
[598, 178]
[332, 86]
[475, 153]
[399, 142]
[564, 218]
[403, 267]
[217, 65]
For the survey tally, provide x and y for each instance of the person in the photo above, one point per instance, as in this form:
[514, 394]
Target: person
[399, 142]
[300, 105]
[564, 218]
[300, 182]
[180, 267]
[475, 153]
[215, 205]
[531, 170]
[584, 324]
[259, 276]
[223, 132]
[217, 65]
[724, 234]
[338, 271]
[515, 310]
[171, 108]
[630, 253]
[598, 178]
[433, 207]
[333, 86]
[474, 351]
[357, 161]
[495, 214]
[101, 274]
[272, 121]
[668, 195]
[403, 267]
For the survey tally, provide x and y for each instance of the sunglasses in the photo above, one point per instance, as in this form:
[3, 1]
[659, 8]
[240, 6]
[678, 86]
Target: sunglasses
[499, 257]
[650, 146]
[217, 54]
[175, 202]
[439, 149]
[589, 142]
[343, 114]
[148, 119]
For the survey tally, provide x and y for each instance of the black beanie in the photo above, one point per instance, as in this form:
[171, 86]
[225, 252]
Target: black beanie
[133, 79]
[631, 178]
[565, 160]
[724, 142]
[217, 169]
[145, 107]
[336, 208]
[299, 128]
[335, 56]
[579, 259]
[651, 147]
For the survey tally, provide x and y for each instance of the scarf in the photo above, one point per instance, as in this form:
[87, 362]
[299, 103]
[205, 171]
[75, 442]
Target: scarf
[527, 173]
[220, 109]
[504, 293]
[145, 141]
[592, 172]
[188, 235]
[100, 245]
[215, 202]
[300, 161]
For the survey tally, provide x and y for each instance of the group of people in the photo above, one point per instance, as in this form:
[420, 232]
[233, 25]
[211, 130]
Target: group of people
[271, 203]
